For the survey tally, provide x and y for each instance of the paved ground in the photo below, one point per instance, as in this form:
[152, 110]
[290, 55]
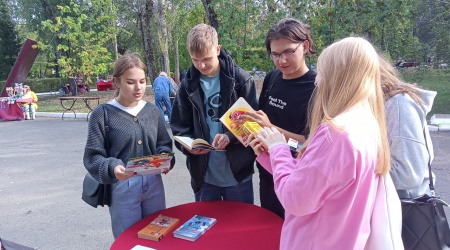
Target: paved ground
[40, 188]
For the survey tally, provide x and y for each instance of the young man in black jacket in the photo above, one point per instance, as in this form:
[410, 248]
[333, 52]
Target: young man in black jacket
[212, 84]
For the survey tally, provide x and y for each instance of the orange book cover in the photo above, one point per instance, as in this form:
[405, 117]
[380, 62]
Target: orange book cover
[158, 228]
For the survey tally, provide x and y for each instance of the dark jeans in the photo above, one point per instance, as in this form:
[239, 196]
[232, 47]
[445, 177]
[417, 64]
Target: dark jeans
[241, 192]
[268, 197]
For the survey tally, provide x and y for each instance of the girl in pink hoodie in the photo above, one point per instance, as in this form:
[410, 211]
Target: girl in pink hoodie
[329, 191]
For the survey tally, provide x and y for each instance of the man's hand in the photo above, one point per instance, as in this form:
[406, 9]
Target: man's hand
[198, 151]
[258, 116]
[221, 141]
[121, 175]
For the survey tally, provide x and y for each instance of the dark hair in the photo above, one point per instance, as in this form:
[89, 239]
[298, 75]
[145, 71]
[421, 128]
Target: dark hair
[293, 30]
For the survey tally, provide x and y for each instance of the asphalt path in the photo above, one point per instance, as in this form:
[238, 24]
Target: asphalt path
[41, 182]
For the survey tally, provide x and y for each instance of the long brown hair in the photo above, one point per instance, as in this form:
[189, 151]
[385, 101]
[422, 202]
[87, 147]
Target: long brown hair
[123, 64]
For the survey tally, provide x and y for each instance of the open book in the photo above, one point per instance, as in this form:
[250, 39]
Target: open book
[233, 121]
[190, 143]
[150, 165]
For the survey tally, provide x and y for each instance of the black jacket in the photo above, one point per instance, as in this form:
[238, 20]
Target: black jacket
[189, 118]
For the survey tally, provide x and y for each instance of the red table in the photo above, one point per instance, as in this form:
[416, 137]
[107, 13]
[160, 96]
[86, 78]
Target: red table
[239, 226]
[11, 112]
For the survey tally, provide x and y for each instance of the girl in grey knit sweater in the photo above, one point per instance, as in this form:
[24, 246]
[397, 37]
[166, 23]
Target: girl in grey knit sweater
[135, 129]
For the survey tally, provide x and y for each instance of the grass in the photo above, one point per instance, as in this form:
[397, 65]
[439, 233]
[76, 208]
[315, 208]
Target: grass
[437, 80]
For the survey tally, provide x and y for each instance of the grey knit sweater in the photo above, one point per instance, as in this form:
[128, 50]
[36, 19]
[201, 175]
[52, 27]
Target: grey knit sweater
[129, 136]
[406, 124]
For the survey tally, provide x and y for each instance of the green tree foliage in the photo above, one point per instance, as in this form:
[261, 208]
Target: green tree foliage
[402, 29]
[86, 33]
[9, 45]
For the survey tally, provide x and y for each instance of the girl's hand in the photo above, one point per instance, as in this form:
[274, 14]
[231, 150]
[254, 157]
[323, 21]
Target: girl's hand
[273, 136]
[256, 145]
[121, 175]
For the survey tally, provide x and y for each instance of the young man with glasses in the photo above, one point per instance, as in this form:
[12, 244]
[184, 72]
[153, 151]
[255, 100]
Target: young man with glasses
[284, 98]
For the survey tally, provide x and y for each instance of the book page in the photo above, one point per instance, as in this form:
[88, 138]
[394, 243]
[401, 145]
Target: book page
[233, 121]
[185, 141]
[190, 143]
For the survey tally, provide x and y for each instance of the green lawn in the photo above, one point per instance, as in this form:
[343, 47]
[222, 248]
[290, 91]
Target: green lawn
[437, 80]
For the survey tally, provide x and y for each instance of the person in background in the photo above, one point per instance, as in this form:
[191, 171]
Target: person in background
[136, 129]
[162, 87]
[212, 84]
[29, 108]
[329, 191]
[285, 94]
[406, 109]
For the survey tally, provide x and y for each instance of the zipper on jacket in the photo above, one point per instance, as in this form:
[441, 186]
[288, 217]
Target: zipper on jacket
[203, 136]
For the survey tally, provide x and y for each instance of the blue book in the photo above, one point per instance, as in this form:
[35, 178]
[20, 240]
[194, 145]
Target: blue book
[194, 227]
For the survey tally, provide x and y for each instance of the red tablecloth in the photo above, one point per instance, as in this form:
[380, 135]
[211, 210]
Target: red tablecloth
[105, 85]
[239, 226]
[11, 112]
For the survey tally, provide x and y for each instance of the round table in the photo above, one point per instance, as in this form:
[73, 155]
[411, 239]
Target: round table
[239, 226]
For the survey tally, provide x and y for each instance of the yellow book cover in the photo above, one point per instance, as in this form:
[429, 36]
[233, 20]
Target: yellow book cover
[233, 121]
[158, 228]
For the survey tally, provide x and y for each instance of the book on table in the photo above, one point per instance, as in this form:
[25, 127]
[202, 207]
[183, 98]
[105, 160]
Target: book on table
[240, 128]
[150, 165]
[194, 227]
[158, 228]
[191, 144]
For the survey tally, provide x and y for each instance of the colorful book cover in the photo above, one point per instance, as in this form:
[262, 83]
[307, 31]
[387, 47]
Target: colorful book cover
[194, 227]
[158, 228]
[150, 165]
[233, 121]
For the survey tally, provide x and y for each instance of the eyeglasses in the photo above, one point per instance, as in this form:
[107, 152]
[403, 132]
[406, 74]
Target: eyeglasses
[276, 56]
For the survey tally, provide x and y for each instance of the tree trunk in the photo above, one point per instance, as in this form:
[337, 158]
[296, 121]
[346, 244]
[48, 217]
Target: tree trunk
[145, 18]
[177, 63]
[164, 39]
[212, 16]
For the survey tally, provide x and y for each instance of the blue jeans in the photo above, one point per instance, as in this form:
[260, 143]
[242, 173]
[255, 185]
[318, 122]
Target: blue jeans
[134, 199]
[163, 99]
[240, 192]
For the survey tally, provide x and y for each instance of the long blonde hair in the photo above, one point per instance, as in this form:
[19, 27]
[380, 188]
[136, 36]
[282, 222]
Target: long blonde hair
[392, 84]
[349, 74]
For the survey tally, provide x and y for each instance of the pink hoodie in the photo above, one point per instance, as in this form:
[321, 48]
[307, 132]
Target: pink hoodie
[328, 193]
